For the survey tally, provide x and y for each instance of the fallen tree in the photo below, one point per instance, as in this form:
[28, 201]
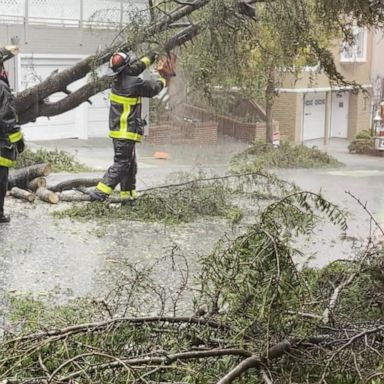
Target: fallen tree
[33, 103]
[175, 14]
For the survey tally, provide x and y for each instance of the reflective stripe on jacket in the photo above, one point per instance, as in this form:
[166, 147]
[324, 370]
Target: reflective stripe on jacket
[125, 120]
[9, 129]
[8, 156]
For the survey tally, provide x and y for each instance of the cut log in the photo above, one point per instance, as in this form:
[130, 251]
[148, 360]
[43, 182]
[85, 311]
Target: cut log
[79, 197]
[48, 196]
[74, 197]
[21, 177]
[35, 184]
[74, 183]
[23, 194]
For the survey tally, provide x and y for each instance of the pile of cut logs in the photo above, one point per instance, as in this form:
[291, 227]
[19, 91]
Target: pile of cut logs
[30, 183]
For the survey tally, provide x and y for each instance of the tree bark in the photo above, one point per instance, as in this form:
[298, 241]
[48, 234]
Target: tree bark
[74, 183]
[21, 177]
[23, 194]
[73, 197]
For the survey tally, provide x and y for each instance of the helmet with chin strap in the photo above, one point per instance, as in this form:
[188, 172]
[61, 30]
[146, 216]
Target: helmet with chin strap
[6, 53]
[118, 62]
[3, 74]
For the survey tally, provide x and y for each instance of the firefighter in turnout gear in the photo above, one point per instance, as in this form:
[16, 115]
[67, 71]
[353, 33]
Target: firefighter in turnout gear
[11, 138]
[126, 125]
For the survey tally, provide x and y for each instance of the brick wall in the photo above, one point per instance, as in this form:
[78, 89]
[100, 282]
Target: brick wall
[228, 126]
[284, 110]
[183, 133]
[359, 115]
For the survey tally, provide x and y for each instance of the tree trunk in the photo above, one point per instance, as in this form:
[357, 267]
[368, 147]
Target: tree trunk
[151, 10]
[21, 177]
[48, 196]
[73, 197]
[74, 183]
[269, 96]
[35, 184]
[23, 194]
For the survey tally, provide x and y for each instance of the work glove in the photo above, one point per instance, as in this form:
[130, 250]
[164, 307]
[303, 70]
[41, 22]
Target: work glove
[167, 66]
[20, 146]
[152, 56]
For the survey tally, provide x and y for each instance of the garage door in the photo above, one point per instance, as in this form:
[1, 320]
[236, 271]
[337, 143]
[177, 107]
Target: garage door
[34, 69]
[314, 116]
[339, 120]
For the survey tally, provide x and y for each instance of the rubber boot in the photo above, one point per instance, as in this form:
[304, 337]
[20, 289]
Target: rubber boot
[4, 219]
[98, 196]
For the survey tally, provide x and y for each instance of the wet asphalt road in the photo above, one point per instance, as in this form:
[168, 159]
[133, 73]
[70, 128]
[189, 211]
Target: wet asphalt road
[39, 253]
[42, 254]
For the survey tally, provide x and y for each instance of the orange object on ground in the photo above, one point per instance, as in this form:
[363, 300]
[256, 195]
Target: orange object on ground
[161, 155]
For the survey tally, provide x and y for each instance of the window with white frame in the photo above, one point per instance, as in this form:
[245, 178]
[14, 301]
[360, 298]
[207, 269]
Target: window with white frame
[357, 50]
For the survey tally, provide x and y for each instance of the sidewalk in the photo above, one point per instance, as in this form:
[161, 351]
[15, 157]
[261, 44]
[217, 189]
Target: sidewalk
[338, 148]
[98, 153]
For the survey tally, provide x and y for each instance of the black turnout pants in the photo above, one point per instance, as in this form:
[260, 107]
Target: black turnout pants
[3, 187]
[124, 168]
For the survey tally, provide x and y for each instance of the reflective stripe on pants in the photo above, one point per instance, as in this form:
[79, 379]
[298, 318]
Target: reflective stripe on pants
[124, 168]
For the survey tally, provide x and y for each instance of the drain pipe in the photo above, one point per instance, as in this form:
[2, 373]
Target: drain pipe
[302, 120]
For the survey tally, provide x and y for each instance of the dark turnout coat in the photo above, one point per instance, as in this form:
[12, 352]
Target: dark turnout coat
[10, 132]
[125, 120]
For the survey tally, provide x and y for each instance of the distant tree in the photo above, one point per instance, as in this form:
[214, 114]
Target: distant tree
[254, 56]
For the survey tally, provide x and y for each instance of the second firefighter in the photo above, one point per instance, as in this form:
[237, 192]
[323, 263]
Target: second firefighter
[125, 123]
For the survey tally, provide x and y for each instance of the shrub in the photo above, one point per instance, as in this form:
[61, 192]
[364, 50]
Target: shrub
[61, 161]
[261, 155]
[362, 143]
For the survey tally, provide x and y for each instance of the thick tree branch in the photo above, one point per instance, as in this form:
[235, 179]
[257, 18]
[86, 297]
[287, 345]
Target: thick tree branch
[31, 103]
[166, 360]
[43, 108]
[33, 97]
[245, 365]
[73, 330]
[275, 352]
